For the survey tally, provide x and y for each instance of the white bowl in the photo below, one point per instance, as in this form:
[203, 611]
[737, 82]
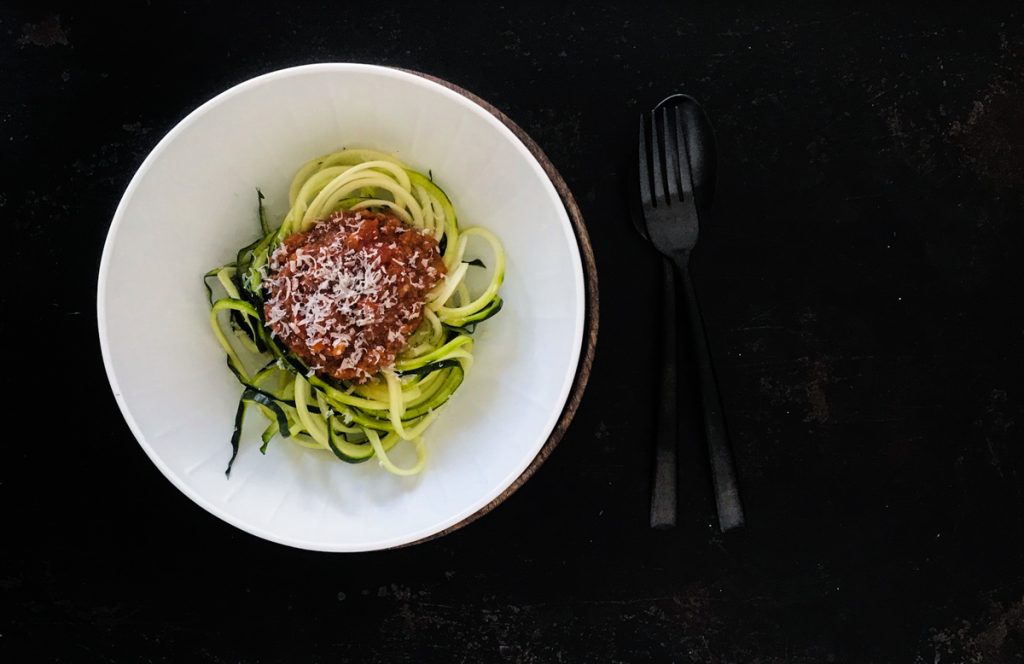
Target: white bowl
[191, 205]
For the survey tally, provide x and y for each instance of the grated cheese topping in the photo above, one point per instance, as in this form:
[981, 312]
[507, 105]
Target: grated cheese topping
[345, 295]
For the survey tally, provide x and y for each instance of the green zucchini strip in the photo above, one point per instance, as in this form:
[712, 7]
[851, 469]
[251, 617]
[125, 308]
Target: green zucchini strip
[354, 422]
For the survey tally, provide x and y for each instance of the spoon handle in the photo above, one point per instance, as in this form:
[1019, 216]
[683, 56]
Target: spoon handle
[663, 492]
[723, 473]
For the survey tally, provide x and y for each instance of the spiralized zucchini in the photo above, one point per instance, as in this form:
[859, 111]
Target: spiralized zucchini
[355, 422]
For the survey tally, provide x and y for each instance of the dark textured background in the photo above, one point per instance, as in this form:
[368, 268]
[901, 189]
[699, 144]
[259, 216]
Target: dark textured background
[861, 283]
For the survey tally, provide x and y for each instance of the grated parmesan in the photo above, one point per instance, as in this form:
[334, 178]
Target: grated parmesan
[346, 295]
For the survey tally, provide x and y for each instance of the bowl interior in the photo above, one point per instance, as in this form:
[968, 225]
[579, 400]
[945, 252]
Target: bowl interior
[192, 204]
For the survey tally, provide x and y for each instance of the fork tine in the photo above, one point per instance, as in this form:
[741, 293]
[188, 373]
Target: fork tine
[667, 115]
[646, 194]
[658, 162]
[685, 172]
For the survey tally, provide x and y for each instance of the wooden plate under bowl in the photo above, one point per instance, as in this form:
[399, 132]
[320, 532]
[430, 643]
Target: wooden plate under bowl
[591, 316]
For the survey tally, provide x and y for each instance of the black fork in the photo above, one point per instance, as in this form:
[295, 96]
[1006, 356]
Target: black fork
[676, 164]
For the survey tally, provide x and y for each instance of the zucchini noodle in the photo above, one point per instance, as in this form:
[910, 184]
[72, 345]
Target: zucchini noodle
[355, 422]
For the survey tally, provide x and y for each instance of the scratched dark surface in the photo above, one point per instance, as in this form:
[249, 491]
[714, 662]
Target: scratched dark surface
[861, 281]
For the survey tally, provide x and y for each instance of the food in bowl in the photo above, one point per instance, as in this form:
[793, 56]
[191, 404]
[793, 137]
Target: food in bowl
[349, 324]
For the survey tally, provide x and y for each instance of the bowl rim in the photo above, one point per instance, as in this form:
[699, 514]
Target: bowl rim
[573, 391]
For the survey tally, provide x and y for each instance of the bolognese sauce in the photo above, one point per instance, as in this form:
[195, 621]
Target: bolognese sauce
[345, 295]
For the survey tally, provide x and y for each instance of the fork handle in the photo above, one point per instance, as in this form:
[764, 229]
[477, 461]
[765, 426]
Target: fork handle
[723, 472]
[663, 491]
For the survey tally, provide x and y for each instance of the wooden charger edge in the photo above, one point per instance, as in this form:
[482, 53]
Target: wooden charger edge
[586, 360]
